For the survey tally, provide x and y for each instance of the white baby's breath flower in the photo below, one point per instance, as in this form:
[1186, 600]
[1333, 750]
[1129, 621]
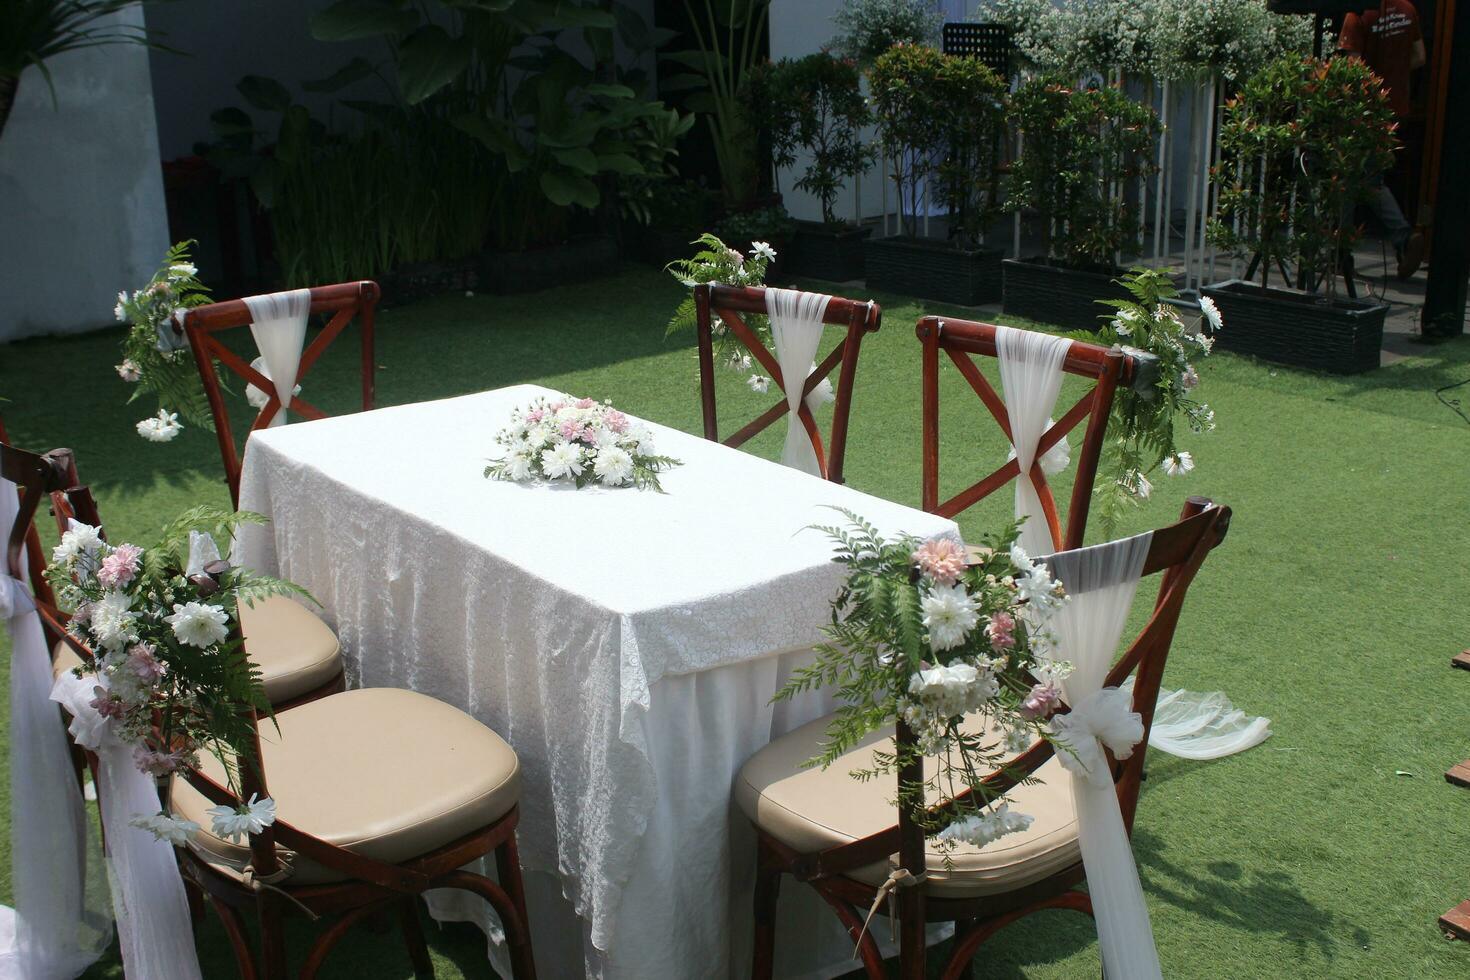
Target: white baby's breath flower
[1178, 464]
[173, 830]
[758, 383]
[562, 461]
[1212, 313]
[950, 613]
[613, 466]
[251, 818]
[199, 624]
[162, 427]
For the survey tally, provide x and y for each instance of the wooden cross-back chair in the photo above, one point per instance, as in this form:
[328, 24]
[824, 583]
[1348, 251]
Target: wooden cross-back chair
[731, 304]
[344, 302]
[837, 834]
[1109, 367]
[381, 795]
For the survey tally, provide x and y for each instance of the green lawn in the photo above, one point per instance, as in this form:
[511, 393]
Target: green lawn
[1333, 608]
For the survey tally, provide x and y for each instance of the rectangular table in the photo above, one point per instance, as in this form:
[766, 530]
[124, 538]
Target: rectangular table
[626, 643]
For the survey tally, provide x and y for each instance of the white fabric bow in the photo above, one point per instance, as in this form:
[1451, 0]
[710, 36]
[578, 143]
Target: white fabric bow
[279, 328]
[254, 395]
[1054, 460]
[796, 331]
[1104, 718]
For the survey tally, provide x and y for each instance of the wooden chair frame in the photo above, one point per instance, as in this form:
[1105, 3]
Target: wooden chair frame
[1177, 552]
[344, 301]
[730, 302]
[962, 338]
[372, 887]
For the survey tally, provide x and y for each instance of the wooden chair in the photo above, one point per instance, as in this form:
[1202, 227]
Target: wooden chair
[343, 302]
[381, 795]
[731, 304]
[961, 339]
[299, 656]
[835, 833]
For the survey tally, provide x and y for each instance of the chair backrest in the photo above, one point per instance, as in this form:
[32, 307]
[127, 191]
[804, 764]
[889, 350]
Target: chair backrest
[37, 476]
[732, 304]
[1176, 553]
[963, 339]
[344, 302]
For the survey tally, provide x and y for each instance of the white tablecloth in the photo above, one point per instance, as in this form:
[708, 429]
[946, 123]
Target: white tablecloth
[625, 643]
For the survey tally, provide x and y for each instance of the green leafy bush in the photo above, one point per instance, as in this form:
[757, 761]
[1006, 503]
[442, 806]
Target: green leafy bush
[867, 28]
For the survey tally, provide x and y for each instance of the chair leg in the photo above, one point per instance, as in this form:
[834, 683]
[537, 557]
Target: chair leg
[508, 869]
[966, 969]
[234, 924]
[767, 891]
[195, 896]
[413, 937]
[966, 946]
[272, 937]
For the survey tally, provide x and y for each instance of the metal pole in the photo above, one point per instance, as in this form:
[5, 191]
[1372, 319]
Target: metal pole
[1192, 194]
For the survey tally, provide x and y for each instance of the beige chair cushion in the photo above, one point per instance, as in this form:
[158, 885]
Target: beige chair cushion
[295, 651]
[386, 773]
[813, 809]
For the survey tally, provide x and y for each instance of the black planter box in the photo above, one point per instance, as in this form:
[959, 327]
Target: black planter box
[410, 283]
[1047, 293]
[932, 269]
[1300, 329]
[831, 252]
[660, 246]
[576, 260]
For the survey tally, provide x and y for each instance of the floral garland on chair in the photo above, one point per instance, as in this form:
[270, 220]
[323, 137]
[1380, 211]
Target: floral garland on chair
[957, 651]
[718, 263]
[171, 672]
[156, 354]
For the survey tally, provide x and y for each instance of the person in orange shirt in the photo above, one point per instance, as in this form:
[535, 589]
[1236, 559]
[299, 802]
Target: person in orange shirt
[1387, 38]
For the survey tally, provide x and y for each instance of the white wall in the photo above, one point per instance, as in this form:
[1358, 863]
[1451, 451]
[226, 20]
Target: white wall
[81, 193]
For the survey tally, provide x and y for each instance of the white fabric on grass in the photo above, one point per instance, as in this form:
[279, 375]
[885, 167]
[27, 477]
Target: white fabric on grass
[1101, 582]
[61, 922]
[625, 643]
[279, 328]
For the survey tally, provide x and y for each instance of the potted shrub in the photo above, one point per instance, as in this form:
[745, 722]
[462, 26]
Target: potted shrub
[678, 211]
[1081, 149]
[941, 120]
[771, 226]
[815, 104]
[1300, 145]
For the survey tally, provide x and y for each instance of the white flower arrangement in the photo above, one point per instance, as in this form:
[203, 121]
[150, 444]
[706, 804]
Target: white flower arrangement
[580, 440]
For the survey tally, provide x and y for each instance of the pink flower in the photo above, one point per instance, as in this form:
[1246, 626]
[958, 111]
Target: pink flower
[535, 415]
[1189, 379]
[584, 403]
[106, 705]
[156, 763]
[615, 420]
[570, 430]
[588, 435]
[83, 614]
[119, 567]
[144, 665]
[941, 559]
[555, 407]
[1042, 699]
[1001, 629]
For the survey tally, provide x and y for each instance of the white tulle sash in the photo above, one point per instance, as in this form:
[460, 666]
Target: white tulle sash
[279, 329]
[1031, 375]
[1198, 726]
[796, 331]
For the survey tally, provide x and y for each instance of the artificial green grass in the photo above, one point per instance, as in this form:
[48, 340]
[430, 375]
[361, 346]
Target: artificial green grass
[1333, 607]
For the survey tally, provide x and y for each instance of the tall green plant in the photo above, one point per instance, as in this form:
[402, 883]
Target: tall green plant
[1300, 145]
[727, 37]
[904, 83]
[815, 104]
[33, 32]
[1080, 150]
[867, 28]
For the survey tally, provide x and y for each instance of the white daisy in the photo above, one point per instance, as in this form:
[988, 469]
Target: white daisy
[251, 818]
[562, 461]
[182, 270]
[759, 383]
[173, 830]
[1212, 313]
[763, 250]
[162, 427]
[950, 613]
[1178, 464]
[199, 624]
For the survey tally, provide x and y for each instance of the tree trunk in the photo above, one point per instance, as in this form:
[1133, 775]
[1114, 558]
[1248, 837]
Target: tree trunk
[8, 85]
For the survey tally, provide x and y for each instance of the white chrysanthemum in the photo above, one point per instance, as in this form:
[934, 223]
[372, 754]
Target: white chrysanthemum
[949, 613]
[539, 434]
[1212, 313]
[562, 461]
[518, 467]
[980, 830]
[118, 311]
[112, 621]
[80, 539]
[173, 830]
[252, 818]
[1178, 464]
[199, 624]
[759, 383]
[613, 466]
[639, 439]
[949, 690]
[764, 250]
[162, 427]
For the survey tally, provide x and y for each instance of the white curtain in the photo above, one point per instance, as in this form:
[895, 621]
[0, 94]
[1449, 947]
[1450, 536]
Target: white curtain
[61, 923]
[1101, 581]
[796, 329]
[1199, 726]
[279, 329]
[153, 926]
[1031, 375]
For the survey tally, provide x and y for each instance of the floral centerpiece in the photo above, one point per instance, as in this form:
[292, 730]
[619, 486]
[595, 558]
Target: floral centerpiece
[580, 440]
[956, 650]
[170, 669]
[717, 262]
[1141, 435]
[156, 355]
